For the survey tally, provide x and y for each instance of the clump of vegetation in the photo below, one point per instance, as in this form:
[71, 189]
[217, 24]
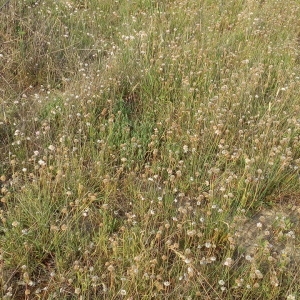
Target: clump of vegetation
[149, 149]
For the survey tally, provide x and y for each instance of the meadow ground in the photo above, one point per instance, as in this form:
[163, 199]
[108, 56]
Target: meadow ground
[150, 149]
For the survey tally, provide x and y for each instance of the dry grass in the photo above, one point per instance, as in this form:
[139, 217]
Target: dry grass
[149, 149]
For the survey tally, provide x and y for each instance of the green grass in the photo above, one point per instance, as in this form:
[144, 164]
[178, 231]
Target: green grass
[149, 150]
